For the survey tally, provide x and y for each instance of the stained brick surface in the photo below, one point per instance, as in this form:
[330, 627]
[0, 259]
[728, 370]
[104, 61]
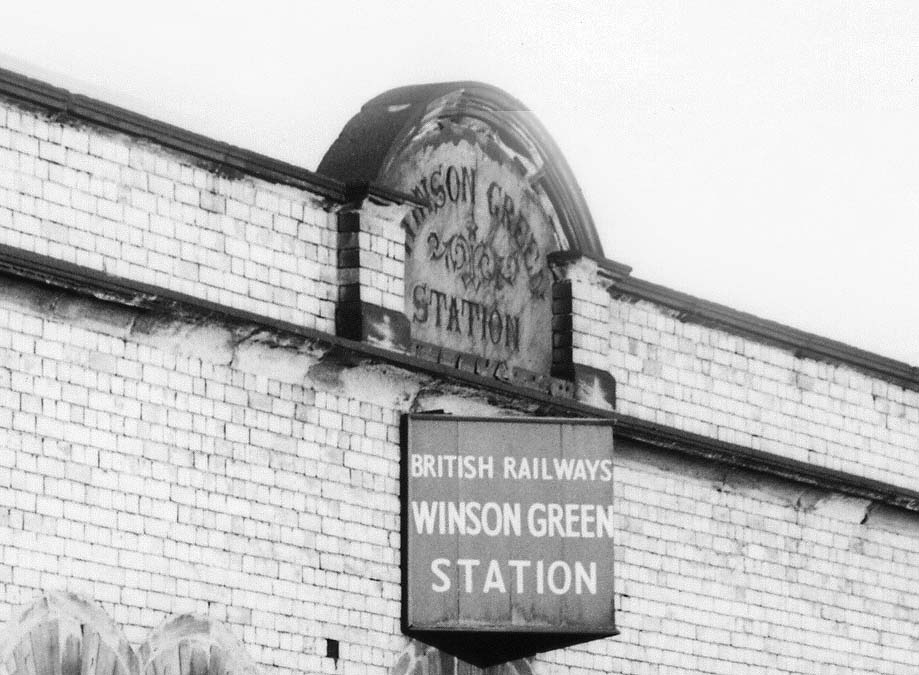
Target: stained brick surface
[732, 388]
[159, 473]
[161, 464]
[117, 205]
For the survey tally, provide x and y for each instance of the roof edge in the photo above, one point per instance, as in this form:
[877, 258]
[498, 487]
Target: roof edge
[803, 344]
[56, 100]
[67, 105]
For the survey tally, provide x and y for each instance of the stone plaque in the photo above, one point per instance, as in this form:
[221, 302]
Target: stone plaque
[494, 198]
[477, 280]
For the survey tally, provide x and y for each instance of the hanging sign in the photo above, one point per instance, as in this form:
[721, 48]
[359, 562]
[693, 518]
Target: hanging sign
[508, 525]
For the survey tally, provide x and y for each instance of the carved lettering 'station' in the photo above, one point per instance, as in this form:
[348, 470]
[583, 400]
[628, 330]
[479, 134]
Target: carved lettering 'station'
[459, 315]
[477, 278]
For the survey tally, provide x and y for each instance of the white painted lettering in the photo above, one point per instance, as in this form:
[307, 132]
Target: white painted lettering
[537, 523]
[493, 578]
[519, 566]
[424, 515]
[566, 577]
[444, 580]
[467, 564]
[585, 578]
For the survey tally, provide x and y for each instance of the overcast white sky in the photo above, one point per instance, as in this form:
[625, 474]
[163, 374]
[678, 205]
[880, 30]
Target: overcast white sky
[764, 155]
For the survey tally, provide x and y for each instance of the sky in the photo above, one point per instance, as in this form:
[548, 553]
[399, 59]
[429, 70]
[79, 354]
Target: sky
[763, 155]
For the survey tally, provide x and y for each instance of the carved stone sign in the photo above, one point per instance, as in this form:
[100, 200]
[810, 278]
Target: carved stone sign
[477, 279]
[494, 198]
[508, 525]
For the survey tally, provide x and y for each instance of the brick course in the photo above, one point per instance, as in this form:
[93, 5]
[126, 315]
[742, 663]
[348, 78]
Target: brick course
[131, 209]
[162, 464]
[725, 386]
[170, 476]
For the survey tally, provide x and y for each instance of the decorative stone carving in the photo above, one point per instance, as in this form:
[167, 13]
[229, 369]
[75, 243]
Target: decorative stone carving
[493, 198]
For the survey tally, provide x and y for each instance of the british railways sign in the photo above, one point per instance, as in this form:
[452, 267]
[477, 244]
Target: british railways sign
[508, 525]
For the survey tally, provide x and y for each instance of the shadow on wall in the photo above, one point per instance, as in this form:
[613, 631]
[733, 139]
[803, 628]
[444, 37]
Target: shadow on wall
[64, 634]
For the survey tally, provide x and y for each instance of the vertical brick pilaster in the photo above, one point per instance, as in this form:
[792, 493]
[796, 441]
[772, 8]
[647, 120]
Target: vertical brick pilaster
[580, 328]
[371, 275]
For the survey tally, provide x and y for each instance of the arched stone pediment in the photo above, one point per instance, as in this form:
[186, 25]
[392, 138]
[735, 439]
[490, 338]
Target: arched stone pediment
[494, 199]
[371, 142]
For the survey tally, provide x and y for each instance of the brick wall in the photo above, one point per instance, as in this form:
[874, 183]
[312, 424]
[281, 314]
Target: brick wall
[735, 389]
[751, 576]
[114, 204]
[161, 468]
[161, 465]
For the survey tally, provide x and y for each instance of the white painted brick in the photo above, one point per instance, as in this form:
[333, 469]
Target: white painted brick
[782, 380]
[156, 482]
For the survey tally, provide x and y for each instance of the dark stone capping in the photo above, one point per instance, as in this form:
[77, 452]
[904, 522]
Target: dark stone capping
[220, 157]
[562, 326]
[801, 343]
[349, 222]
[349, 256]
[59, 275]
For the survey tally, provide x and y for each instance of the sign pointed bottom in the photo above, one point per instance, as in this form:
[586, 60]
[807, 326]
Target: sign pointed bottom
[484, 649]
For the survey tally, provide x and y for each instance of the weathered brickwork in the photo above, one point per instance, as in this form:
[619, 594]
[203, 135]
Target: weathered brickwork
[174, 460]
[372, 239]
[158, 466]
[113, 204]
[735, 389]
[741, 575]
[588, 310]
[168, 468]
